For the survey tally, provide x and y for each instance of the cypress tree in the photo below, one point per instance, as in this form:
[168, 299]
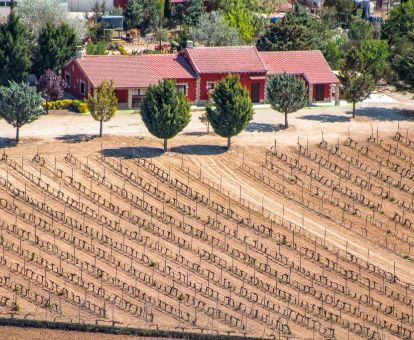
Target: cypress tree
[15, 60]
[233, 108]
[55, 46]
[164, 111]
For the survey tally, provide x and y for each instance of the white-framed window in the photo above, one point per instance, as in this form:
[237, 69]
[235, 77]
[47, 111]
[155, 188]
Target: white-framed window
[211, 85]
[82, 88]
[139, 92]
[182, 89]
[68, 79]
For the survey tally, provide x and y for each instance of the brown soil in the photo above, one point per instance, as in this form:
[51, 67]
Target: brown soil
[238, 242]
[16, 333]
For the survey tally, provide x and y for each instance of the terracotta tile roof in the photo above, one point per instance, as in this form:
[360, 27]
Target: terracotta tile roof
[311, 64]
[229, 59]
[135, 71]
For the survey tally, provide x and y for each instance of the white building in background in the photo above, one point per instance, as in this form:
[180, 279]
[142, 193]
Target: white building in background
[87, 5]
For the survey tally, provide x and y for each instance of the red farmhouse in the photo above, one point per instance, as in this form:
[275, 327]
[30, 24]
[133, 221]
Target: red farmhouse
[197, 70]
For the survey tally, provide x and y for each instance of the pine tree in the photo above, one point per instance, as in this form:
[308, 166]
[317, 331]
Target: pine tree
[104, 106]
[165, 112]
[286, 93]
[15, 60]
[55, 46]
[233, 108]
[20, 104]
[133, 14]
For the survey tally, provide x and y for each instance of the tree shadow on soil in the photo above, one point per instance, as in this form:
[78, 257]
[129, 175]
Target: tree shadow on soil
[264, 127]
[201, 150]
[385, 114]
[325, 118]
[7, 142]
[133, 152]
[76, 138]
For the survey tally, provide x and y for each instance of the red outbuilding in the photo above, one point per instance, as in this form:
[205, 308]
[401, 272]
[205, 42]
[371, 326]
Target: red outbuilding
[197, 71]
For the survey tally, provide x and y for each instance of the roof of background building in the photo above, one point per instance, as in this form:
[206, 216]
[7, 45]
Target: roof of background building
[229, 59]
[312, 64]
[135, 71]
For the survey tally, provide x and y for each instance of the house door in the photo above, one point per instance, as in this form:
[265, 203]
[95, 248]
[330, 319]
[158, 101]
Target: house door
[319, 93]
[255, 91]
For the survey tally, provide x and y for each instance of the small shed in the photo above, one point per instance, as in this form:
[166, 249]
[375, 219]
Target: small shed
[112, 22]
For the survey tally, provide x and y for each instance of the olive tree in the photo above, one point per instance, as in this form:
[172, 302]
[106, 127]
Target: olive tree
[20, 104]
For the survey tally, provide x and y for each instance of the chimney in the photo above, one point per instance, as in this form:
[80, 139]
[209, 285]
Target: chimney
[190, 44]
[80, 52]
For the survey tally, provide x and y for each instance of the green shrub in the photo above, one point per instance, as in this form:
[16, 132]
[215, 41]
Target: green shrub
[122, 50]
[83, 108]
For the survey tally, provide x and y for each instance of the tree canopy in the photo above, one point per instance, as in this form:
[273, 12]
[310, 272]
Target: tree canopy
[357, 85]
[298, 30]
[36, 14]
[232, 110]
[400, 22]
[164, 111]
[213, 30]
[51, 85]
[15, 59]
[286, 93]
[55, 46]
[20, 104]
[104, 104]
[133, 14]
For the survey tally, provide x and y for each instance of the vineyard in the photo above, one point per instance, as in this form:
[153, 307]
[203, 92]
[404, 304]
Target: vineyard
[188, 244]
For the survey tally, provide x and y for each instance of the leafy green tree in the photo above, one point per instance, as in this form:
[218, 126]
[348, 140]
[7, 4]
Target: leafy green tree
[164, 111]
[35, 14]
[154, 12]
[15, 60]
[20, 104]
[343, 10]
[375, 54]
[204, 119]
[240, 17]
[213, 30]
[232, 110]
[55, 46]
[298, 30]
[104, 105]
[402, 58]
[133, 14]
[333, 51]
[400, 22]
[96, 49]
[194, 11]
[360, 29]
[286, 93]
[357, 86]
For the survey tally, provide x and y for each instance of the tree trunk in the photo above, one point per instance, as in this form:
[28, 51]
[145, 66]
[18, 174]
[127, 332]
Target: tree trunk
[228, 142]
[165, 144]
[353, 110]
[100, 128]
[208, 128]
[17, 134]
[47, 107]
[286, 120]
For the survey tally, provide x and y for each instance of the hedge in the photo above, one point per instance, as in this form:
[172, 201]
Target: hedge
[67, 104]
[84, 327]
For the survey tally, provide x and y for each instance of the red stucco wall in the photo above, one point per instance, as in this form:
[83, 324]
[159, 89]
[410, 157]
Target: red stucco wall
[76, 76]
[122, 96]
[191, 88]
[244, 80]
[326, 92]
